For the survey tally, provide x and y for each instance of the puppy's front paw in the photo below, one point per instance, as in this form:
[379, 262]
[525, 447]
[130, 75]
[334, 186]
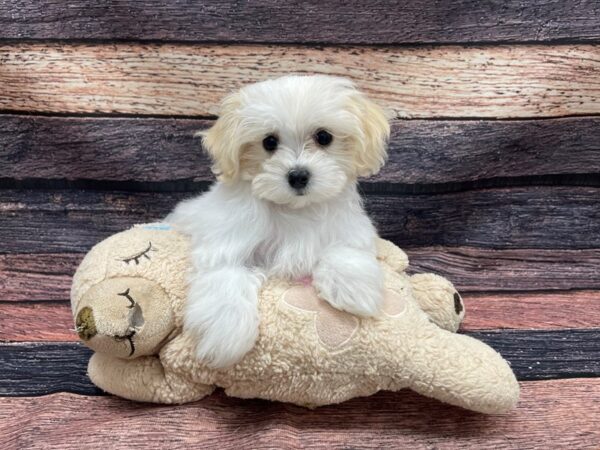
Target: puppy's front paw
[352, 281]
[224, 327]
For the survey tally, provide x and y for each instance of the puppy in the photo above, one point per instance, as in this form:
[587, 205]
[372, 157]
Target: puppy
[287, 154]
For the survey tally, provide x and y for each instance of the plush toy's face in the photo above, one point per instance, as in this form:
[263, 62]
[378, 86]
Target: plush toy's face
[128, 290]
[126, 317]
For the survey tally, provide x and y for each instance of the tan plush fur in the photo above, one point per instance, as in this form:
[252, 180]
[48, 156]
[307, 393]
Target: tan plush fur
[307, 353]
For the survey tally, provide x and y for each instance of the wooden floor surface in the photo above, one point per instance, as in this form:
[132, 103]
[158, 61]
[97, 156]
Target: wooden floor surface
[493, 181]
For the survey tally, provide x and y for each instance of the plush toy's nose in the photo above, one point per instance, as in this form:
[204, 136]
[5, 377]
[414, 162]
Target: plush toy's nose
[86, 326]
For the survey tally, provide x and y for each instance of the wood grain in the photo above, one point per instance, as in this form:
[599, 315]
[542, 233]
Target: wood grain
[344, 22]
[420, 151]
[500, 81]
[36, 322]
[572, 309]
[33, 321]
[532, 217]
[547, 354]
[25, 277]
[551, 414]
[41, 277]
[45, 367]
[480, 269]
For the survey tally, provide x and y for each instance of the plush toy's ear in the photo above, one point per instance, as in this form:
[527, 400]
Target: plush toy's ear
[222, 142]
[371, 141]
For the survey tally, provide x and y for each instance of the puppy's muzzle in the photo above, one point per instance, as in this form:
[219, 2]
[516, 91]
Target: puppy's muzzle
[298, 179]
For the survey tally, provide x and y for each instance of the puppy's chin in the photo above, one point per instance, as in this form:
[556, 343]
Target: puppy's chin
[273, 187]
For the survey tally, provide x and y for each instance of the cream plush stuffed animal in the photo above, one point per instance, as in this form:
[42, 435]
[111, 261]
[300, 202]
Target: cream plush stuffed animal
[127, 299]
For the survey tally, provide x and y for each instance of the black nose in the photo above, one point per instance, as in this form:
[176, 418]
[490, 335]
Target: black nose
[298, 178]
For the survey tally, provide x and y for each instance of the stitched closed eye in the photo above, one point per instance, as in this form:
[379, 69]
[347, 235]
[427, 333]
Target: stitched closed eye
[143, 254]
[129, 338]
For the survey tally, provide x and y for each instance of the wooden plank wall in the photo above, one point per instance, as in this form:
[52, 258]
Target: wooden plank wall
[493, 181]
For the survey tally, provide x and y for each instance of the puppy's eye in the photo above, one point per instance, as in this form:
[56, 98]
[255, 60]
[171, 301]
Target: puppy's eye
[270, 143]
[323, 138]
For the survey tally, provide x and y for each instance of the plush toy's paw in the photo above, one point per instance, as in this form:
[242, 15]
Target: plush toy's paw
[352, 281]
[393, 256]
[439, 299]
[222, 316]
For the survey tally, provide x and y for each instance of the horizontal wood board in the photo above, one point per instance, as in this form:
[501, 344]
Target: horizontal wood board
[47, 367]
[551, 414]
[191, 80]
[39, 321]
[40, 276]
[532, 217]
[337, 21]
[420, 151]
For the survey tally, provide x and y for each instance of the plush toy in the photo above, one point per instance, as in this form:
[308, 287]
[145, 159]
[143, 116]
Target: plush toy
[128, 295]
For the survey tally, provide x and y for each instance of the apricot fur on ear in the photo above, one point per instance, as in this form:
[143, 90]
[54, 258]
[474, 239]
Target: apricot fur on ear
[371, 151]
[221, 141]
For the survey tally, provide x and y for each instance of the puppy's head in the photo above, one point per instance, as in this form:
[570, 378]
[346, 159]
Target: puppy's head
[298, 139]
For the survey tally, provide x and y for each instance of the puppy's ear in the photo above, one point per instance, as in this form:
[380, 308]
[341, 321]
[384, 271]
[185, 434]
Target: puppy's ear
[221, 141]
[371, 142]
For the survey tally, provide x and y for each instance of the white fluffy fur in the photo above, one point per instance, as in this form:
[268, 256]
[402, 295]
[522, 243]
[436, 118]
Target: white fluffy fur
[252, 224]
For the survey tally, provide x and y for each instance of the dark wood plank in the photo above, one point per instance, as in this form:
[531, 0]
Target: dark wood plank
[149, 150]
[421, 151]
[481, 269]
[447, 151]
[532, 217]
[43, 368]
[550, 414]
[73, 221]
[33, 321]
[37, 322]
[366, 22]
[547, 354]
[191, 80]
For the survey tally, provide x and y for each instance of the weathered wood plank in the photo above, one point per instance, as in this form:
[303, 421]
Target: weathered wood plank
[547, 354]
[149, 150]
[480, 269]
[532, 217]
[550, 414]
[574, 309]
[448, 151]
[40, 277]
[421, 151]
[43, 368]
[535, 217]
[343, 22]
[499, 81]
[36, 277]
[52, 321]
[36, 322]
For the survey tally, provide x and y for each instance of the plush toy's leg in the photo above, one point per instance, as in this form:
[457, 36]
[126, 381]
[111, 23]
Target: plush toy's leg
[460, 370]
[143, 379]
[391, 255]
[439, 299]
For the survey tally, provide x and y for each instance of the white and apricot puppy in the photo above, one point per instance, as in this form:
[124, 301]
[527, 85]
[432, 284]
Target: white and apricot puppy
[287, 154]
